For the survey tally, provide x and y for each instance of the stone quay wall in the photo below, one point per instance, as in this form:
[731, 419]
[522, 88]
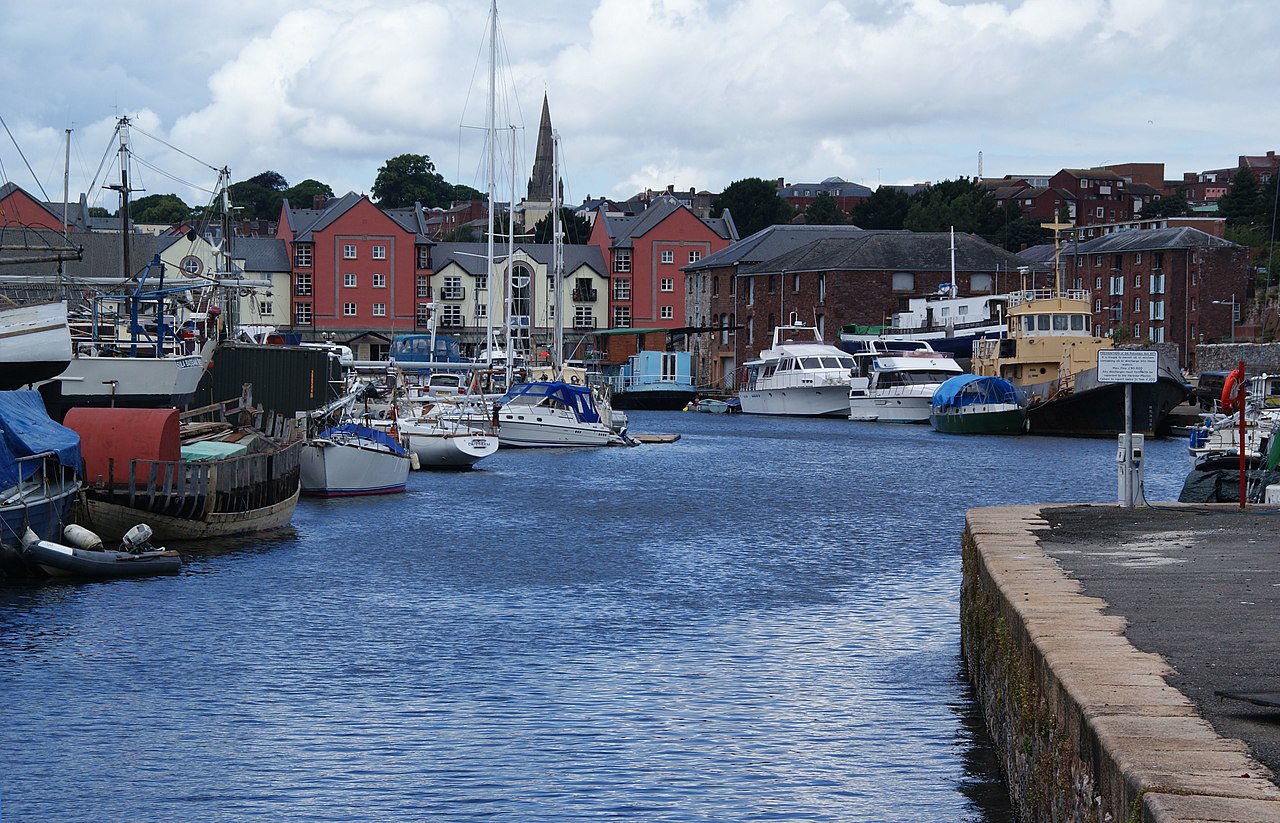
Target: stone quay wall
[1087, 729]
[1257, 357]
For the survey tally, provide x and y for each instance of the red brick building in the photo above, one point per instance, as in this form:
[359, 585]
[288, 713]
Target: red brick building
[645, 255]
[847, 195]
[359, 274]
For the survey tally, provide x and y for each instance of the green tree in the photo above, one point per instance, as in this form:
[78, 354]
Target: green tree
[259, 197]
[1018, 232]
[303, 195]
[165, 209]
[959, 204]
[577, 230]
[412, 178]
[1175, 205]
[1242, 204]
[754, 204]
[886, 208]
[823, 211]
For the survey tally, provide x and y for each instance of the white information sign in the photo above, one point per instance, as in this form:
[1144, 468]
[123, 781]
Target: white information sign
[1128, 366]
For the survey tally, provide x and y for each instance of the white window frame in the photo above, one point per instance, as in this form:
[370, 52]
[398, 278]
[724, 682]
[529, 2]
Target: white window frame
[350, 310]
[349, 280]
[379, 252]
[349, 251]
[379, 309]
[668, 256]
[666, 313]
[379, 281]
[667, 284]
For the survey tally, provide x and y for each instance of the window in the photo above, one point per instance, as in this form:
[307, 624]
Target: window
[622, 289]
[667, 312]
[379, 281]
[1157, 334]
[422, 314]
[1193, 304]
[715, 287]
[482, 282]
[1156, 308]
[348, 309]
[1117, 285]
[379, 309]
[773, 284]
[1097, 260]
[981, 283]
[1097, 305]
[302, 255]
[1137, 304]
[191, 265]
[482, 309]
[668, 256]
[668, 284]
[452, 288]
[348, 281]
[751, 290]
[1157, 284]
[1137, 257]
[795, 283]
[379, 252]
[822, 287]
[302, 314]
[1137, 330]
[424, 257]
[695, 256]
[1157, 260]
[622, 261]
[424, 286]
[302, 283]
[622, 317]
[904, 281]
[583, 318]
[1097, 282]
[265, 307]
[349, 251]
[451, 315]
[1098, 211]
[1137, 281]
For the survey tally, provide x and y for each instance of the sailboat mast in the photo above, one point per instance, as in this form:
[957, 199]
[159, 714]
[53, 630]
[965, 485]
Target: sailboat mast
[557, 257]
[490, 127]
[954, 293]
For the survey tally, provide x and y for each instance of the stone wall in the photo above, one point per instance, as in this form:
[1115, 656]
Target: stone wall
[1258, 357]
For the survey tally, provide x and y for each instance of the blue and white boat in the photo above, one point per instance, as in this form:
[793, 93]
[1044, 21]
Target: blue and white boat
[550, 413]
[351, 459]
[39, 470]
[654, 380]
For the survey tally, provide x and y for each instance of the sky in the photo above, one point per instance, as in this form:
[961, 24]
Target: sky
[644, 93]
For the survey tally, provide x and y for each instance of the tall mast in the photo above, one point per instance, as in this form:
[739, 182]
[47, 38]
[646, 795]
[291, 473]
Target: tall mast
[490, 133]
[511, 252]
[557, 258]
[953, 262]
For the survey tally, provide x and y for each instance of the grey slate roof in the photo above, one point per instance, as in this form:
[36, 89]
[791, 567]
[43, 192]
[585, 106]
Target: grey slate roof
[262, 254]
[768, 243]
[470, 257]
[1182, 237]
[622, 230]
[876, 250]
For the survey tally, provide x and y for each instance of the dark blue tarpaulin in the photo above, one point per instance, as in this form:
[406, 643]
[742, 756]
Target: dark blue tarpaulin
[365, 433]
[26, 429]
[968, 389]
[578, 398]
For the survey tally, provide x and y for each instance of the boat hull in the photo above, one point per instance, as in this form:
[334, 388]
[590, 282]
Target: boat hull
[58, 560]
[808, 401]
[1099, 410]
[35, 343]
[442, 449]
[981, 419]
[112, 519]
[331, 469]
[129, 382]
[539, 431]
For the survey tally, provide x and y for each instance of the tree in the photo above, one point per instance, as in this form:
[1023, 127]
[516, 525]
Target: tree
[885, 209]
[412, 178]
[959, 204]
[1175, 205]
[1242, 205]
[823, 211]
[754, 204]
[577, 230]
[164, 209]
[259, 197]
[304, 194]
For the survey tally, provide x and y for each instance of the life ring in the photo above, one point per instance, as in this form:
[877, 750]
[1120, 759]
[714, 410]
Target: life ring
[575, 381]
[1229, 399]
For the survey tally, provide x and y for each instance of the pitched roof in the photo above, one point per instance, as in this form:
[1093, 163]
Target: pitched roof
[877, 250]
[622, 230]
[768, 243]
[470, 257]
[262, 254]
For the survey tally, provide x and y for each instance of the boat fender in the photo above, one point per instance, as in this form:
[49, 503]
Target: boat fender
[82, 538]
[1228, 398]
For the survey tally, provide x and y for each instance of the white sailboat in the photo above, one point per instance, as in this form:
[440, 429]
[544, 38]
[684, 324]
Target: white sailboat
[35, 343]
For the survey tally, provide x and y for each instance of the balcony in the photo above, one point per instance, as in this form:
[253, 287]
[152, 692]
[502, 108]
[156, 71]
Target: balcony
[584, 322]
[584, 295]
[452, 293]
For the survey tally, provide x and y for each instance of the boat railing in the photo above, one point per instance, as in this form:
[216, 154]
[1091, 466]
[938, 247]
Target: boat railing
[1019, 298]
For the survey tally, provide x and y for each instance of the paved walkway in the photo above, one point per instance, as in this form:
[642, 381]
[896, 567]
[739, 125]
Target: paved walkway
[1197, 585]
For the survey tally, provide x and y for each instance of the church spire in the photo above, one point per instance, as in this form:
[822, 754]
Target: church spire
[541, 183]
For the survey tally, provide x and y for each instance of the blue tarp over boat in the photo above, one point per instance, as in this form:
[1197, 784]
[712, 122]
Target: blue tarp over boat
[26, 429]
[365, 433]
[969, 389]
[575, 397]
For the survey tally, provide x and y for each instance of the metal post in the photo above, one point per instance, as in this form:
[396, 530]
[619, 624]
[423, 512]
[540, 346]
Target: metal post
[1126, 446]
[1243, 394]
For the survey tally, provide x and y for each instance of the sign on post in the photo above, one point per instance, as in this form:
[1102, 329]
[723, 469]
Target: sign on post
[1128, 366]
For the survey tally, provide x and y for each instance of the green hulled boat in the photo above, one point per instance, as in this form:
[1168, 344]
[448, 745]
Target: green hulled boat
[970, 404]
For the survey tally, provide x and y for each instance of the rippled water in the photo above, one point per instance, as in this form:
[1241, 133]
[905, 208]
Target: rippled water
[756, 622]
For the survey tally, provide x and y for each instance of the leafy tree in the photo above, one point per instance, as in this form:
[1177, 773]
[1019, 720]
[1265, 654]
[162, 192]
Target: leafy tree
[1018, 232]
[886, 208]
[99, 211]
[412, 178]
[577, 230]
[304, 194]
[259, 197]
[754, 204]
[1242, 205]
[1175, 205]
[270, 180]
[961, 204]
[823, 211]
[159, 208]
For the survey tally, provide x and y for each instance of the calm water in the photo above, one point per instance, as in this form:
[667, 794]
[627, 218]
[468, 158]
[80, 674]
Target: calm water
[758, 622]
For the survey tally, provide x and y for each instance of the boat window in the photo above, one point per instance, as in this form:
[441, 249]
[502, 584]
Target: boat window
[1077, 322]
[1087, 319]
[1029, 323]
[831, 363]
[1042, 322]
[811, 362]
[1060, 322]
[847, 362]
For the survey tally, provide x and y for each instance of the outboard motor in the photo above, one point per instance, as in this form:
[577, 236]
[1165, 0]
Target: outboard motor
[137, 539]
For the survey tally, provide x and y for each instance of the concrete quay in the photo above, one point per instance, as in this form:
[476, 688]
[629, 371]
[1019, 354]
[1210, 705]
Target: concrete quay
[1096, 638]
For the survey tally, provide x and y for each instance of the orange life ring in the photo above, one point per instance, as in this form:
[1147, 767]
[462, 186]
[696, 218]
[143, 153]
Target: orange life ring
[1229, 390]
